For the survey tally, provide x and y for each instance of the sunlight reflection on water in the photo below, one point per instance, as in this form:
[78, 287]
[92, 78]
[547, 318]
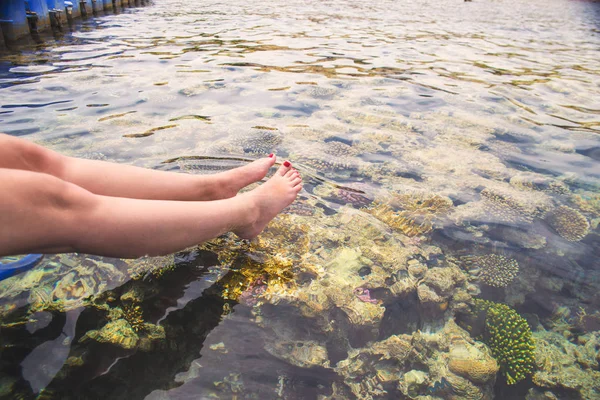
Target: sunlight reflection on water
[430, 134]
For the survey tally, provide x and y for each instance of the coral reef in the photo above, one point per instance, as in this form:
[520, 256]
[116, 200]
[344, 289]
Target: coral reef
[444, 364]
[588, 202]
[339, 149]
[473, 364]
[353, 198]
[507, 207]
[530, 181]
[265, 268]
[126, 329]
[259, 142]
[493, 269]
[304, 354]
[367, 370]
[507, 334]
[566, 367]
[438, 286]
[412, 214]
[150, 266]
[117, 332]
[568, 223]
[327, 164]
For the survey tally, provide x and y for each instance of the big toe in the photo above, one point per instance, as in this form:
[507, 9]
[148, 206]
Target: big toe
[285, 168]
[265, 162]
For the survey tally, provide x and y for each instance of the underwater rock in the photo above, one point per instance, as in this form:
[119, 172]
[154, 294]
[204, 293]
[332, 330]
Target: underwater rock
[564, 366]
[413, 213]
[135, 294]
[151, 335]
[328, 164]
[506, 206]
[568, 223]
[366, 371]
[355, 199]
[362, 313]
[531, 181]
[313, 301]
[413, 382]
[522, 286]
[473, 376]
[513, 236]
[259, 142]
[339, 149]
[437, 287]
[446, 364]
[461, 388]
[117, 332]
[319, 92]
[150, 266]
[416, 269]
[493, 269]
[74, 287]
[300, 208]
[587, 202]
[303, 354]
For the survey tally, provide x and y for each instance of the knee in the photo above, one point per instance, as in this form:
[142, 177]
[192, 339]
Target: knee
[65, 197]
[22, 154]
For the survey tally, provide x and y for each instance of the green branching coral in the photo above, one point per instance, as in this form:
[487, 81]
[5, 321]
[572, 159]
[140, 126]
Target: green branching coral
[509, 337]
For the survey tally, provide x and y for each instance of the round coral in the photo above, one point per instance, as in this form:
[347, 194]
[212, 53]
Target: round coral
[497, 270]
[569, 223]
[509, 338]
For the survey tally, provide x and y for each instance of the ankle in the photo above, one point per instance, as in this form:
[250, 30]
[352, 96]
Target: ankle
[208, 187]
[251, 207]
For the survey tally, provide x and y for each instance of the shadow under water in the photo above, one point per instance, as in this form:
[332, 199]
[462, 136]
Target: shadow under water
[446, 241]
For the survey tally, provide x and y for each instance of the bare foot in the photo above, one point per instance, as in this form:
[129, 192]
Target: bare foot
[270, 198]
[227, 184]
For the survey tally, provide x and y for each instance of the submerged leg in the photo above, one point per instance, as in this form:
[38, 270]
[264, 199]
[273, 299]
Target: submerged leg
[41, 213]
[112, 179]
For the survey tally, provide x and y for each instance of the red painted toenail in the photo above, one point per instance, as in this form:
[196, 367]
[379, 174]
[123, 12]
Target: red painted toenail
[286, 164]
[271, 155]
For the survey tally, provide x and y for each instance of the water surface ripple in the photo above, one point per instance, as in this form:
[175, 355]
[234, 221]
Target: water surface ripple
[432, 135]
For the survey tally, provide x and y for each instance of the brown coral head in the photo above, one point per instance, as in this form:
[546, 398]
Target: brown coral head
[569, 223]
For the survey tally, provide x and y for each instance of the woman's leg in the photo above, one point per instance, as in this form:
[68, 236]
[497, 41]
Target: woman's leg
[112, 179]
[41, 213]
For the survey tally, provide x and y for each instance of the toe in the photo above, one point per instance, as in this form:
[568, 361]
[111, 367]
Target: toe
[291, 173]
[285, 168]
[296, 181]
[271, 159]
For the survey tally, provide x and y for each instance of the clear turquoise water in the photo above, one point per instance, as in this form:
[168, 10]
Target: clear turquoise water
[490, 105]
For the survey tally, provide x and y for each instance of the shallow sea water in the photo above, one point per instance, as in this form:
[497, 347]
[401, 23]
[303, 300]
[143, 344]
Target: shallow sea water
[450, 152]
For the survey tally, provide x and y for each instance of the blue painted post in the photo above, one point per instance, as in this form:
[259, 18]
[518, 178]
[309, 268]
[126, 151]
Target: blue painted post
[41, 9]
[13, 20]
